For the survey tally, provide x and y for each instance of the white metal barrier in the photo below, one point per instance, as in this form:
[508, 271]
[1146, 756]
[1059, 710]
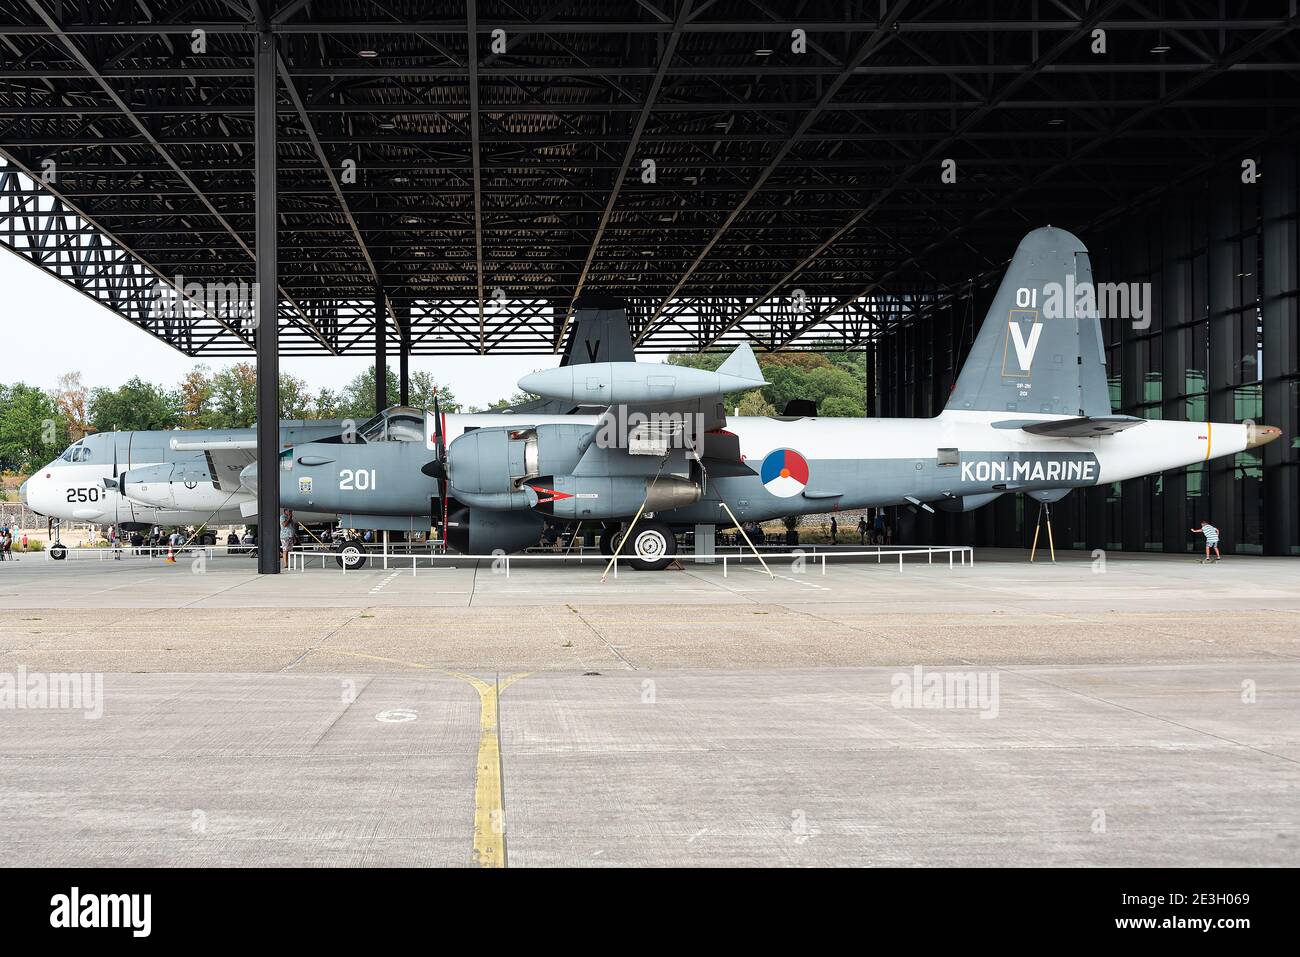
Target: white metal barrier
[963, 555]
[144, 551]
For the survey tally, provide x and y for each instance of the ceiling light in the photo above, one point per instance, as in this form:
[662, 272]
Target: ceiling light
[386, 125]
[763, 52]
[1055, 121]
[1161, 48]
[368, 54]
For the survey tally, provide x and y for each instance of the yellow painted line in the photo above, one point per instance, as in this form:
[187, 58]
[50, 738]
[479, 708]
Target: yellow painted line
[489, 800]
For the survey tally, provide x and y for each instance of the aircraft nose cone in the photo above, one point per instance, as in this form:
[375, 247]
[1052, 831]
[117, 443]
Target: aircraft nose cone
[532, 382]
[22, 494]
[1257, 435]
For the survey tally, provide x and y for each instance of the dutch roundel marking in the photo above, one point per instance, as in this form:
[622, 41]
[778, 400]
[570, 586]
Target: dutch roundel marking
[784, 473]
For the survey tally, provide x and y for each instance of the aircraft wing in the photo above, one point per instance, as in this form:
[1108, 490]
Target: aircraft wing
[652, 410]
[1084, 426]
[226, 458]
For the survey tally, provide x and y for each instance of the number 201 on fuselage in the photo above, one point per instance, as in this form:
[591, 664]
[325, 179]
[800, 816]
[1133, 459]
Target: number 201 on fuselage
[356, 480]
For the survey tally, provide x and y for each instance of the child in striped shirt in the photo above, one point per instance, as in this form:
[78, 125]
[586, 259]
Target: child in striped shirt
[1211, 540]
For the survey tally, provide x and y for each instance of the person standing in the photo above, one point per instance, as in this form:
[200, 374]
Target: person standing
[835, 531]
[1211, 540]
[286, 537]
[862, 529]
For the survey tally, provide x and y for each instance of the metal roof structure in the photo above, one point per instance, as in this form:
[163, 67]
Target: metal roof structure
[757, 170]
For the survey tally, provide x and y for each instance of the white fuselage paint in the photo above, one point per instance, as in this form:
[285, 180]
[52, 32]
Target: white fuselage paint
[1153, 446]
[73, 491]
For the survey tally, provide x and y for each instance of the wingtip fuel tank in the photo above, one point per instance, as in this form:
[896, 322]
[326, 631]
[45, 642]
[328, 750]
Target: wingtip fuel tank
[607, 383]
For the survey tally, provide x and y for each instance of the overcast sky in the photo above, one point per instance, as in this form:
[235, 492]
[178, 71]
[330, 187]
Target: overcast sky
[49, 328]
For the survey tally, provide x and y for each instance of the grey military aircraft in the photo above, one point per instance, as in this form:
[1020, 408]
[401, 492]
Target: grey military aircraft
[145, 478]
[139, 479]
[1030, 413]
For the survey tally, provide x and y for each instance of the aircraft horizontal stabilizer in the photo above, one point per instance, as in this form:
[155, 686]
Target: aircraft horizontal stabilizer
[1084, 426]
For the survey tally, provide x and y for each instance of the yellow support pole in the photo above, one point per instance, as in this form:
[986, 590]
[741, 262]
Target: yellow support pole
[740, 528]
[1033, 550]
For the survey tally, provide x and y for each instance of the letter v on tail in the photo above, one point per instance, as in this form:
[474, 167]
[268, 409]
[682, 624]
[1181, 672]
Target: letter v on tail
[1025, 350]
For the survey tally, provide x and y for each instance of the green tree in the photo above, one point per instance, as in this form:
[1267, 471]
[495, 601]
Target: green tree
[233, 402]
[295, 398]
[753, 403]
[31, 430]
[232, 399]
[194, 397]
[327, 405]
[358, 398]
[135, 406]
[836, 381]
[518, 398]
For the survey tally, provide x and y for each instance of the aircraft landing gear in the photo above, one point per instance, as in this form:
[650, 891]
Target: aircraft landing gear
[352, 556]
[654, 545]
[609, 537]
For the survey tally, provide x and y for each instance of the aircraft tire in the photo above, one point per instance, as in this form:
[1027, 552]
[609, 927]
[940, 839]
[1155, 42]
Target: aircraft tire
[653, 547]
[609, 538]
[58, 551]
[353, 557]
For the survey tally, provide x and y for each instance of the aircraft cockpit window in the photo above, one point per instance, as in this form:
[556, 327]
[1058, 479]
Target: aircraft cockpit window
[76, 453]
[405, 428]
[372, 430]
[395, 425]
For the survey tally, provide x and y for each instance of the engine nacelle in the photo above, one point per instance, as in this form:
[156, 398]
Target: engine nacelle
[602, 497]
[495, 460]
[475, 531]
[186, 486]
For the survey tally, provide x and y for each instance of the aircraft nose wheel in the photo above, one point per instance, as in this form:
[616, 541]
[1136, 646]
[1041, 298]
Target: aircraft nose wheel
[352, 556]
[58, 552]
[654, 545]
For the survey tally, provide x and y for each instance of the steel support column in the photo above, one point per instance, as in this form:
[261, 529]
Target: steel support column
[1225, 271]
[268, 337]
[1173, 303]
[381, 354]
[1278, 311]
[404, 355]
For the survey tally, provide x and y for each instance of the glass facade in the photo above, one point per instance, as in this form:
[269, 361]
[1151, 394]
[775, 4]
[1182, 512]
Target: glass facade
[1221, 260]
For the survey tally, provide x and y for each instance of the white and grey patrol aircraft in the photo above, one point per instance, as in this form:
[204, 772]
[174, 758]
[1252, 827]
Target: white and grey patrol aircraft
[1030, 413]
[136, 480]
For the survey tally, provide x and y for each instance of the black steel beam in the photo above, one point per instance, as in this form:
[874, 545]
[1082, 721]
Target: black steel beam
[268, 331]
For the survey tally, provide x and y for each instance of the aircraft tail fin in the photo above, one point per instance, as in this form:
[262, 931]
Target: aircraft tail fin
[598, 333]
[742, 364]
[1040, 348]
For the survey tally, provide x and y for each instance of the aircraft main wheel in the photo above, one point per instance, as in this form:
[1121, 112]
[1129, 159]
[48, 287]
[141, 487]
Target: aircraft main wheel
[353, 556]
[609, 536]
[58, 552]
[654, 546]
